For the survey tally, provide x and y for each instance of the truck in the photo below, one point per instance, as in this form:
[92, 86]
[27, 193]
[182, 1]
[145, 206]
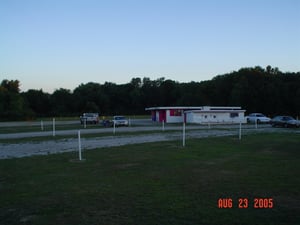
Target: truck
[89, 118]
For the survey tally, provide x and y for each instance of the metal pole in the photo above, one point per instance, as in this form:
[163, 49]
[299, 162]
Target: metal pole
[183, 135]
[255, 124]
[114, 131]
[53, 122]
[42, 125]
[163, 125]
[84, 122]
[79, 145]
[240, 131]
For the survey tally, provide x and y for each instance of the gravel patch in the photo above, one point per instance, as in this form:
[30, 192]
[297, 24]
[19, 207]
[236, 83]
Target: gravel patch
[71, 144]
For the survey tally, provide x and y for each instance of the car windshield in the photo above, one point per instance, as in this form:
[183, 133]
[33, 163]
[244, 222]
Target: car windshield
[119, 118]
[90, 115]
[288, 118]
[256, 115]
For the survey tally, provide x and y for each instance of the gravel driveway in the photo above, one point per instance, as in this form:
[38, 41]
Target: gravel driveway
[71, 144]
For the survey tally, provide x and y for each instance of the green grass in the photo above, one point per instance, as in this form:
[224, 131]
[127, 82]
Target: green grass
[158, 183]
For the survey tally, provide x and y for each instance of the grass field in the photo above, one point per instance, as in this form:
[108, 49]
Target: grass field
[158, 183]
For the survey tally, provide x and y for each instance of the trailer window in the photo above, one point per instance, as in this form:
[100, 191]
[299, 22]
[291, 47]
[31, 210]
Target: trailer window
[232, 115]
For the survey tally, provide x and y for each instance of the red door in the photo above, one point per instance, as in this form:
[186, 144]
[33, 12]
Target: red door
[162, 115]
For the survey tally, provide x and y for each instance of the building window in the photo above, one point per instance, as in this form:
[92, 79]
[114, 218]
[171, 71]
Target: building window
[175, 112]
[232, 115]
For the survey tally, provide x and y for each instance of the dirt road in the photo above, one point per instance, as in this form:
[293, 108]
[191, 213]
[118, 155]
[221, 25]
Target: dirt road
[71, 144]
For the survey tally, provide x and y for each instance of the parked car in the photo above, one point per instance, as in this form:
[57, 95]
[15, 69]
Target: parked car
[120, 121]
[285, 121]
[89, 118]
[257, 118]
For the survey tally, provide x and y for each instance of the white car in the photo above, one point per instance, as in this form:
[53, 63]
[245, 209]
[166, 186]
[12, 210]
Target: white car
[120, 121]
[257, 118]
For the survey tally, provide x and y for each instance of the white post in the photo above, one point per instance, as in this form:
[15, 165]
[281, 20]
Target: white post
[42, 125]
[53, 122]
[84, 122]
[129, 122]
[255, 124]
[183, 135]
[240, 131]
[208, 125]
[79, 145]
[163, 125]
[114, 131]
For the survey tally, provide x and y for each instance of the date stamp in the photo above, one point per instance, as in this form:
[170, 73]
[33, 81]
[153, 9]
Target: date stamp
[244, 203]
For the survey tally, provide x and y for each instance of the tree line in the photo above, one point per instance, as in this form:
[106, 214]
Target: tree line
[255, 89]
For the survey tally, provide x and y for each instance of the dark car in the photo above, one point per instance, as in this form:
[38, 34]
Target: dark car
[285, 121]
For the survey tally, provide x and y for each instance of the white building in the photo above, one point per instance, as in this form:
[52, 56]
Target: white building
[216, 115]
[197, 114]
[169, 114]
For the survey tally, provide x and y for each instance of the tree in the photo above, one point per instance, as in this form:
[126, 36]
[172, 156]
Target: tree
[62, 102]
[38, 101]
[12, 105]
[11, 86]
[169, 93]
[253, 88]
[90, 92]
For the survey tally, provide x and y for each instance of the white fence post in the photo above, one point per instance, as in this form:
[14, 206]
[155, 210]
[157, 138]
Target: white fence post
[53, 122]
[183, 134]
[163, 125]
[240, 131]
[42, 125]
[114, 130]
[79, 145]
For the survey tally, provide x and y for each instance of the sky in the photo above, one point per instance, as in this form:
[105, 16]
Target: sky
[52, 44]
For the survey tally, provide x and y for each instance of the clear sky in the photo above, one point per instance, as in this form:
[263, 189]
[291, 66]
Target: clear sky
[52, 44]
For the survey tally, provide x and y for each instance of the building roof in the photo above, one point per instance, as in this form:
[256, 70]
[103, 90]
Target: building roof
[174, 107]
[215, 111]
[199, 108]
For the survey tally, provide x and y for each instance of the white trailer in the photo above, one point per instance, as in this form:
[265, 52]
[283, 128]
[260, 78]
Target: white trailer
[216, 115]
